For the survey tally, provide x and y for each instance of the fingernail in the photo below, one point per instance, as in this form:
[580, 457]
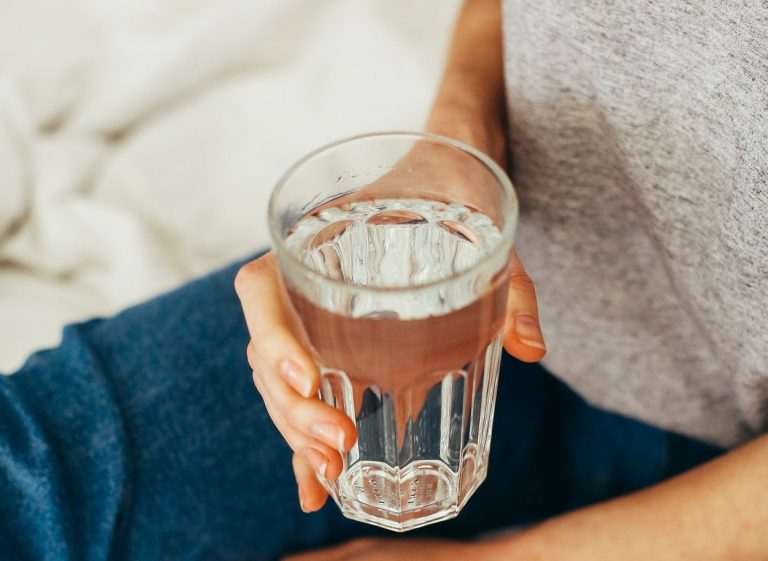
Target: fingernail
[529, 332]
[330, 434]
[296, 378]
[316, 460]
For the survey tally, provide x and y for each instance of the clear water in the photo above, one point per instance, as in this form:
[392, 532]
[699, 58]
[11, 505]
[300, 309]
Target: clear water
[395, 243]
[416, 370]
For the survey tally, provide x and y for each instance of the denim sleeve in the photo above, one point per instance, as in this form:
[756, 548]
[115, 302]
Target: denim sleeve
[63, 456]
[142, 437]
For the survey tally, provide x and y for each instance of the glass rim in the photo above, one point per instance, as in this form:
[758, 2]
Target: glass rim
[510, 210]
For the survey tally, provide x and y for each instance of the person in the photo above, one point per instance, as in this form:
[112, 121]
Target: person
[638, 137]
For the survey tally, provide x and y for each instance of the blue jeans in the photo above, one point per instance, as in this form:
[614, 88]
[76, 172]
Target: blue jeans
[142, 437]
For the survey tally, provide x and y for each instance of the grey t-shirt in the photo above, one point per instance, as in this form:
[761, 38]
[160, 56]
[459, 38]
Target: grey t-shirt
[639, 140]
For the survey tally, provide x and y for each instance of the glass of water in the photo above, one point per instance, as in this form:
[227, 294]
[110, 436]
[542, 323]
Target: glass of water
[394, 252]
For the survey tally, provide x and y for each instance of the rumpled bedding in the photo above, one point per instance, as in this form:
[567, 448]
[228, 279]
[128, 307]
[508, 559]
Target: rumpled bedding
[140, 139]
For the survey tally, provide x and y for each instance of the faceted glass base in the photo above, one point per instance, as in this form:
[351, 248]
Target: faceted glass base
[422, 449]
[422, 493]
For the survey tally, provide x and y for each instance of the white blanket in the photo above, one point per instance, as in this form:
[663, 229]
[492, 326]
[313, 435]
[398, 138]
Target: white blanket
[139, 139]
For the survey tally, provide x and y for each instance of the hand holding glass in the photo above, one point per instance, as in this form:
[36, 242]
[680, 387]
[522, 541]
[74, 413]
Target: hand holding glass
[394, 252]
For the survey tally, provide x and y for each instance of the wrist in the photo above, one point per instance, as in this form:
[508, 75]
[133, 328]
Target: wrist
[470, 103]
[472, 122]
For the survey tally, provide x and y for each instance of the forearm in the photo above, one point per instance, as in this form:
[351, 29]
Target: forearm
[716, 512]
[469, 104]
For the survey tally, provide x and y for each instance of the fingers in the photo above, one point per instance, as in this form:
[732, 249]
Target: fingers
[288, 380]
[312, 460]
[307, 416]
[324, 459]
[523, 338]
[259, 292]
[312, 495]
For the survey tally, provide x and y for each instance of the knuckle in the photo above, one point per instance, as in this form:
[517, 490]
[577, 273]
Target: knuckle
[295, 439]
[292, 404]
[521, 282]
[250, 352]
[256, 376]
[288, 435]
[299, 412]
[250, 271]
[257, 359]
[272, 344]
[282, 397]
[243, 278]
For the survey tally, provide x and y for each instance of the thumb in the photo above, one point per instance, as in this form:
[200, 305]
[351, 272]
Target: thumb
[522, 338]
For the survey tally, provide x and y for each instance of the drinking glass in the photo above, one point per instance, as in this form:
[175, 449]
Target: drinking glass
[393, 251]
